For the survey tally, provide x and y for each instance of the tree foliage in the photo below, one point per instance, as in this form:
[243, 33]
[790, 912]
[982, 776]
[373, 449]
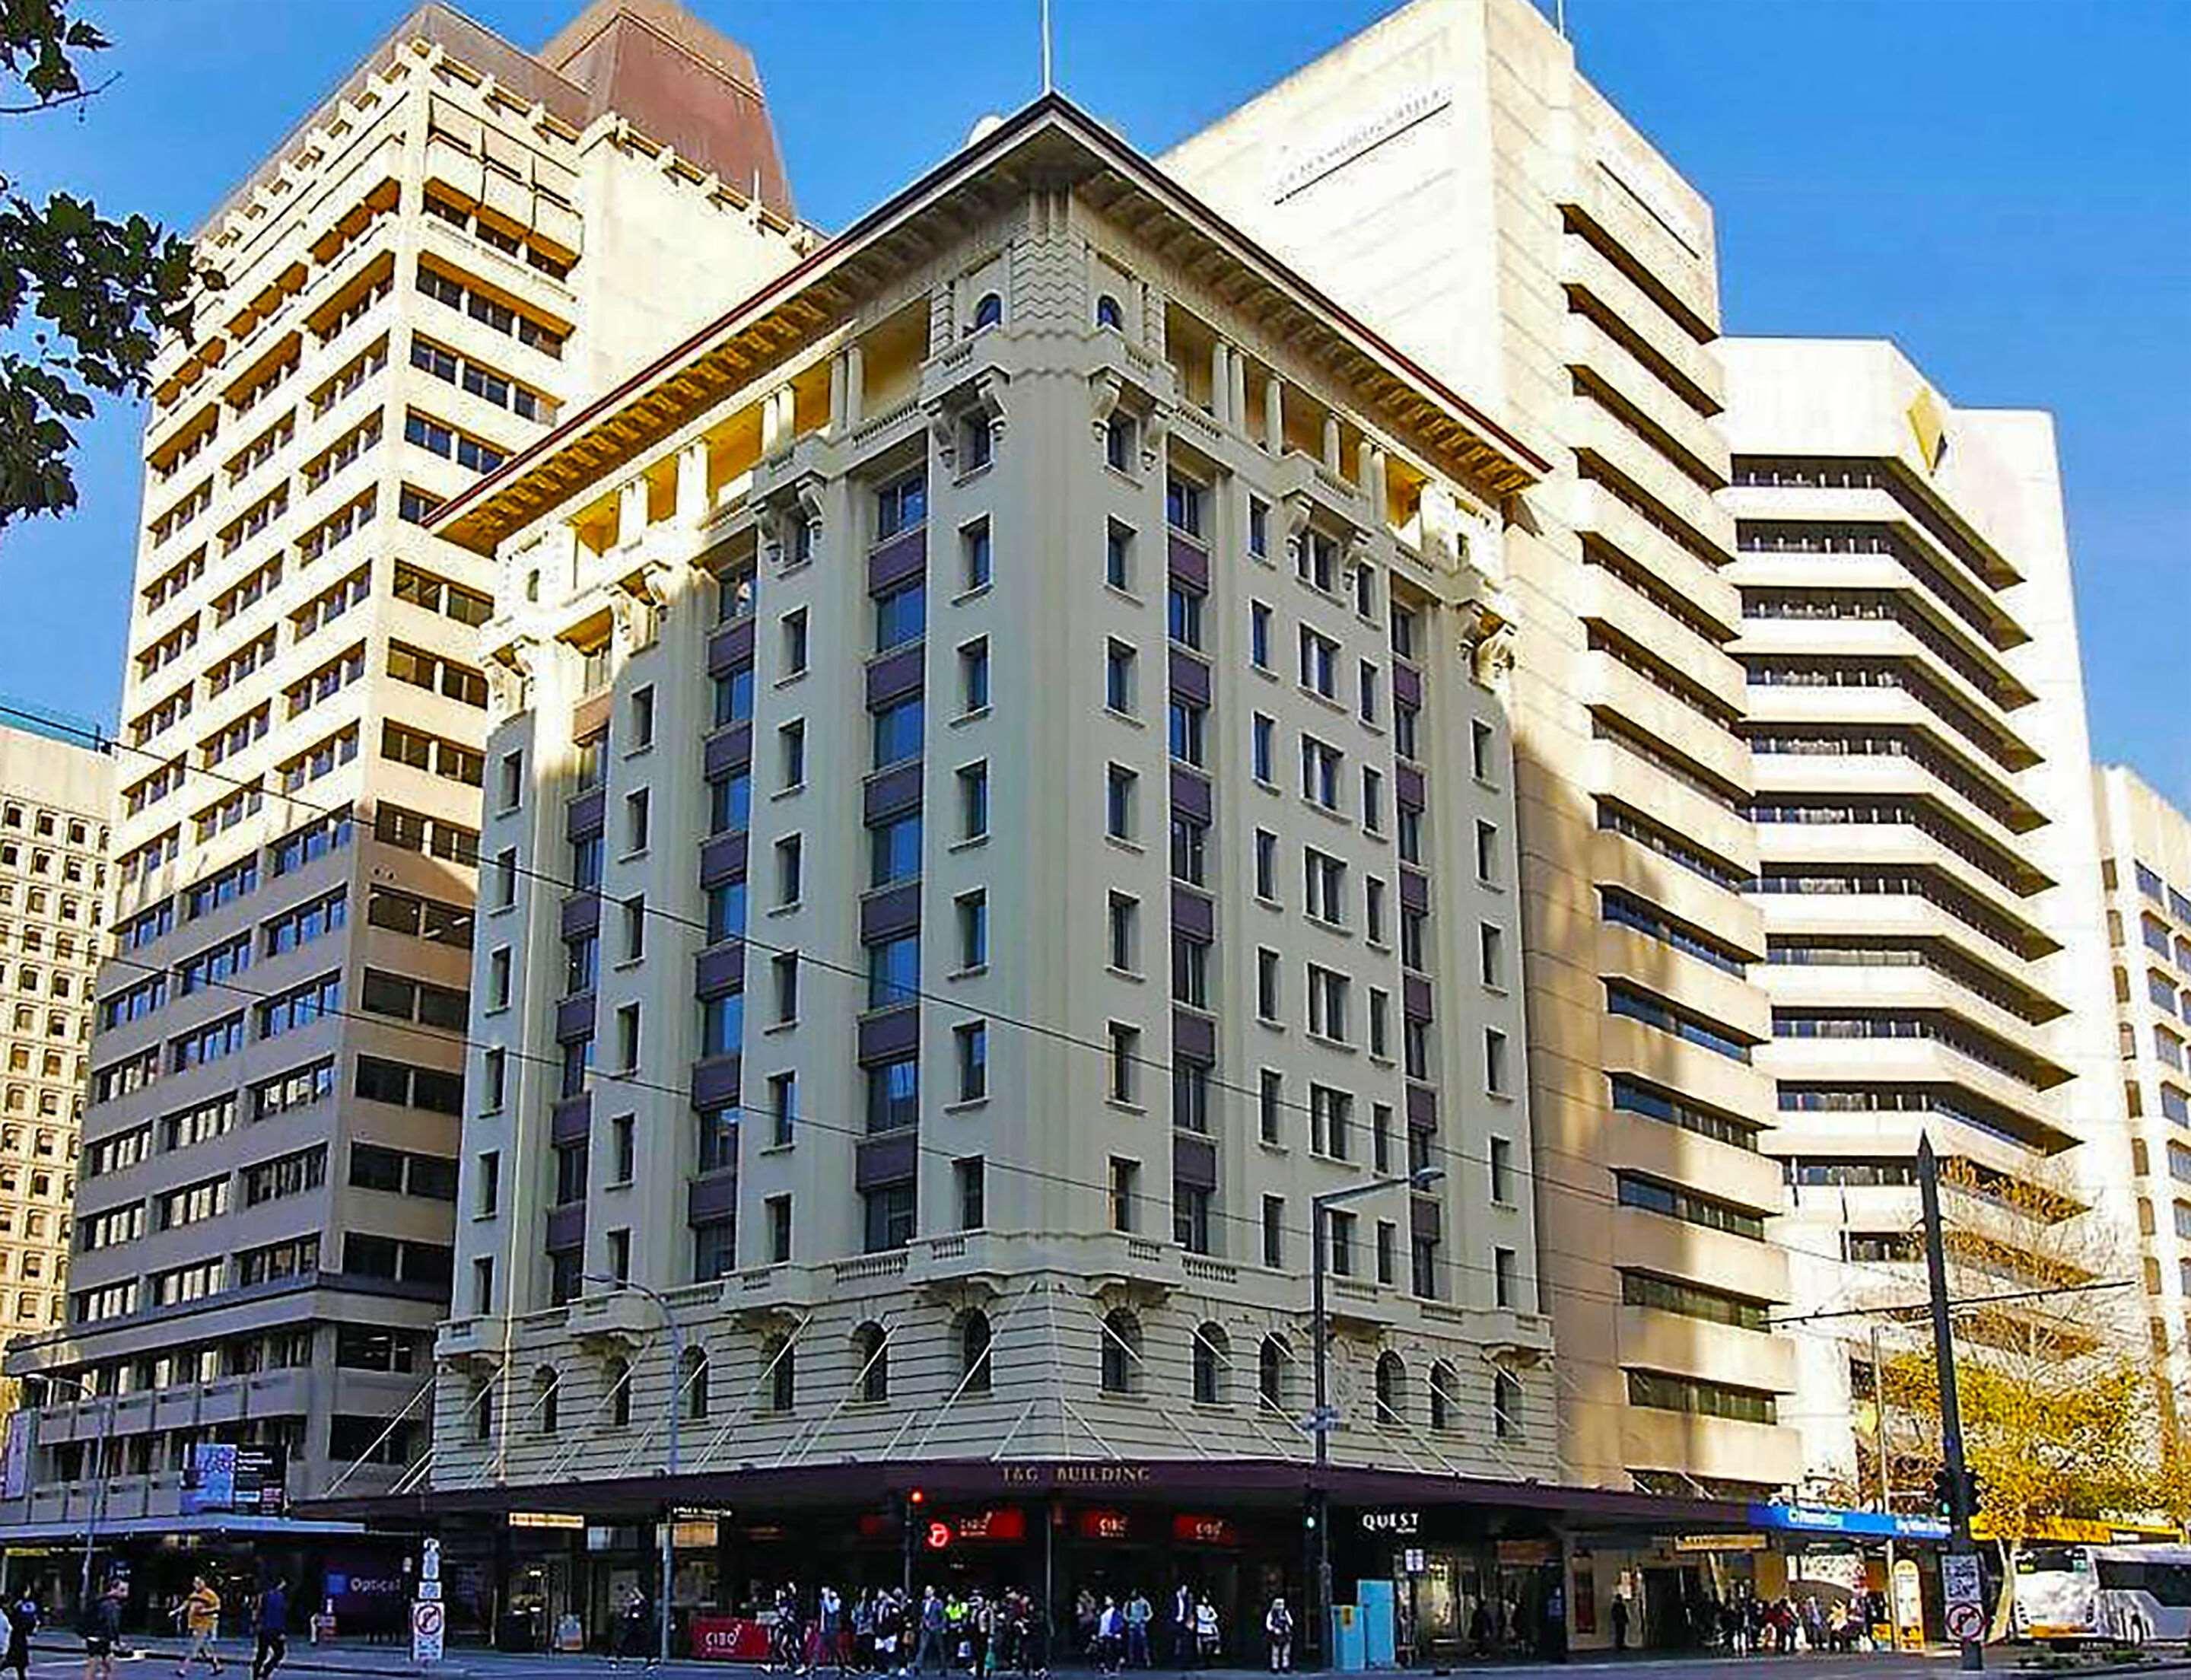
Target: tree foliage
[2056, 1391]
[84, 298]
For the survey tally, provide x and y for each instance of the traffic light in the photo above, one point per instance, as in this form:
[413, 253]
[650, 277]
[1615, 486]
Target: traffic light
[1943, 1493]
[1973, 1491]
[916, 1499]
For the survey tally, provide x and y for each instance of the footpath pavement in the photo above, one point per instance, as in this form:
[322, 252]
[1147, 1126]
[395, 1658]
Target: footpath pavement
[153, 1657]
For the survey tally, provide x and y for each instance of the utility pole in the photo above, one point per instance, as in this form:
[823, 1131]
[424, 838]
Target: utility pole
[667, 1534]
[1959, 1566]
[1886, 1488]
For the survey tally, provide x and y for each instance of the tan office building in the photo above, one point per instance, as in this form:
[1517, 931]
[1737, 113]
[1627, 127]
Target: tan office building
[1927, 872]
[433, 267]
[2145, 872]
[1451, 175]
[1020, 708]
[56, 817]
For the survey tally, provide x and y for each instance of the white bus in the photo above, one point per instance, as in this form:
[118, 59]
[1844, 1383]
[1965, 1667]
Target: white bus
[2135, 1594]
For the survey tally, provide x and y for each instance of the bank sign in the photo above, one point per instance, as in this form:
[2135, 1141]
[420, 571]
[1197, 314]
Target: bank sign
[1826, 1519]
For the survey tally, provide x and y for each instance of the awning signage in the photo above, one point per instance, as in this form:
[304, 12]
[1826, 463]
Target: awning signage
[1826, 1519]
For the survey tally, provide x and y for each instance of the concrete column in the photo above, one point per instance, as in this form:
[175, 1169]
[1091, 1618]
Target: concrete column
[631, 510]
[837, 394]
[692, 483]
[1236, 400]
[1365, 463]
[856, 385]
[1220, 380]
[1377, 482]
[1274, 415]
[1331, 443]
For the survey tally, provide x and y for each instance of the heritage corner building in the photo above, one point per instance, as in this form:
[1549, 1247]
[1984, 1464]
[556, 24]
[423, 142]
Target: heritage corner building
[1000, 794]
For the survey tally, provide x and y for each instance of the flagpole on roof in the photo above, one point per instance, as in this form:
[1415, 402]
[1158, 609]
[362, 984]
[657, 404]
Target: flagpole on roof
[1047, 84]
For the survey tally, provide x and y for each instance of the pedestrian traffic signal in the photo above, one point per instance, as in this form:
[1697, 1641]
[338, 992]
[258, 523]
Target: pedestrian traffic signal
[1943, 1492]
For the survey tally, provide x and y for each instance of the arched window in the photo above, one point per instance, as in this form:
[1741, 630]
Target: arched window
[546, 1403]
[1506, 1406]
[989, 311]
[778, 1356]
[974, 1365]
[1209, 1365]
[1271, 1359]
[692, 1381]
[1391, 1383]
[1445, 1395]
[1121, 1351]
[619, 1380]
[871, 1361]
[1108, 313]
[482, 1411]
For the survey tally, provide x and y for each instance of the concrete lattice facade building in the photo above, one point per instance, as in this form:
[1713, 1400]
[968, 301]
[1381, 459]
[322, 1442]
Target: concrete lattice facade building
[1020, 706]
[56, 819]
[453, 248]
[1916, 718]
[2145, 871]
[1449, 173]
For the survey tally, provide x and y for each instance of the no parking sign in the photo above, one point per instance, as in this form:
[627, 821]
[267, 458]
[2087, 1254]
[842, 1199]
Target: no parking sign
[429, 1620]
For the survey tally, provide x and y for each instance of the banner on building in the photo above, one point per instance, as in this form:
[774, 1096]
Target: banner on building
[227, 1476]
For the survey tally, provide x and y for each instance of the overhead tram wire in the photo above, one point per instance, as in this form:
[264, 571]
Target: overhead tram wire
[540, 878]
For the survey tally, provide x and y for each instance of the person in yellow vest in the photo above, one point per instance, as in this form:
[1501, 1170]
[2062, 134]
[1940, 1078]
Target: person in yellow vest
[200, 1614]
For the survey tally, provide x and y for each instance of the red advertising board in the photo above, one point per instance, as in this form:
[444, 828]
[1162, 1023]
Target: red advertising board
[1190, 1529]
[998, 1522]
[729, 1639]
[1101, 1524]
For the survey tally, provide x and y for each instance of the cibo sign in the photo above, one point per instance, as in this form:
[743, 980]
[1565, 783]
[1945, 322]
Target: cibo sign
[1391, 1522]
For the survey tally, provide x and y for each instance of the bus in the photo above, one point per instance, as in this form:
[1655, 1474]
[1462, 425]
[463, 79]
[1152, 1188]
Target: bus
[2133, 1594]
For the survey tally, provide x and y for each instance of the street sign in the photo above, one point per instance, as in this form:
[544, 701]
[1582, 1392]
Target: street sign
[1321, 1420]
[428, 1622]
[430, 1559]
[1411, 1560]
[430, 1591]
[1958, 1579]
[1965, 1621]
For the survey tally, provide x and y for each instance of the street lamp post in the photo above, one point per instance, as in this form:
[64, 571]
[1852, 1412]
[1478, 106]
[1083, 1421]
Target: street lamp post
[1325, 1416]
[669, 1505]
[99, 1471]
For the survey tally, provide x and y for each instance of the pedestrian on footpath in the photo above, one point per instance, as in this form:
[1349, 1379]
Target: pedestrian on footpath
[1278, 1633]
[199, 1615]
[102, 1626]
[1206, 1639]
[270, 1622]
[1139, 1614]
[24, 1615]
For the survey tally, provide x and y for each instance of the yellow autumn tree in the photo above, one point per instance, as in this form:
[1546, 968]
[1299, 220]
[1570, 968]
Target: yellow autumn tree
[2055, 1389]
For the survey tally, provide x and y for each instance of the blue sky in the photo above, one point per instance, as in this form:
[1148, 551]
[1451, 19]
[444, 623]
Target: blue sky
[2003, 186]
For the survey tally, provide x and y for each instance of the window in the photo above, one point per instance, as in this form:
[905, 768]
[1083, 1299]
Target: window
[1480, 748]
[894, 971]
[1118, 556]
[794, 642]
[637, 811]
[791, 755]
[974, 677]
[1108, 313]
[1495, 1062]
[1273, 1358]
[1487, 852]
[897, 731]
[871, 1348]
[969, 1177]
[1124, 933]
[1339, 1239]
[1506, 1404]
[894, 1094]
[1373, 815]
[972, 1039]
[1491, 953]
[1261, 734]
[1183, 500]
[726, 911]
[1323, 886]
[1266, 985]
[722, 1026]
[887, 1217]
[973, 923]
[1119, 686]
[974, 557]
[783, 971]
[989, 311]
[1183, 614]
[901, 617]
[1270, 1105]
[1122, 1351]
[1190, 849]
[976, 1370]
[1125, 1056]
[1502, 1172]
[1118, 810]
[1208, 1369]
[1319, 772]
[782, 1109]
[1505, 1291]
[1259, 635]
[973, 801]
[777, 1211]
[1319, 664]
[1330, 1122]
[788, 854]
[1190, 1093]
[1119, 432]
[1274, 1230]
[1125, 1194]
[1266, 865]
[902, 506]
[1328, 1003]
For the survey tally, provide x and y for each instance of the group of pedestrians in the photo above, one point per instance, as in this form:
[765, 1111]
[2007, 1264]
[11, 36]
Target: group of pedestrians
[1746, 1625]
[1117, 1633]
[197, 1615]
[886, 1631]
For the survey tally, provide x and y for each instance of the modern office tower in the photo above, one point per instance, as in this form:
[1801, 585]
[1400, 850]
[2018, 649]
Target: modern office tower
[1002, 797]
[2145, 872]
[438, 262]
[56, 816]
[1449, 173]
[1928, 871]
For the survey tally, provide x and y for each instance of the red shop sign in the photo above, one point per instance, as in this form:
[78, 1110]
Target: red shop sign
[1002, 1521]
[1190, 1529]
[729, 1639]
[1101, 1524]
